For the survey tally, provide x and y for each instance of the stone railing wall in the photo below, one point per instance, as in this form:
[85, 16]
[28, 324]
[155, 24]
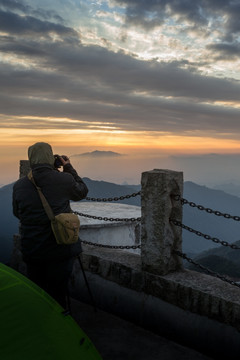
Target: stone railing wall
[153, 289]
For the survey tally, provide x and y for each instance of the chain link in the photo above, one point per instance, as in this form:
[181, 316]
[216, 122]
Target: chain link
[202, 208]
[207, 237]
[175, 222]
[210, 272]
[108, 219]
[121, 247]
[114, 198]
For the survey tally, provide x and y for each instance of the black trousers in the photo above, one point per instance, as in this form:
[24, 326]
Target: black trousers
[53, 277]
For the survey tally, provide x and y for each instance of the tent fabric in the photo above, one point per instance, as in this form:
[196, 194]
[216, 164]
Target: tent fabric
[33, 325]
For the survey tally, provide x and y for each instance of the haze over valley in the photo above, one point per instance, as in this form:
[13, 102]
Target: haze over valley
[217, 171]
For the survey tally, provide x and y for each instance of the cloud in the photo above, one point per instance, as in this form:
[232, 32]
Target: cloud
[224, 51]
[18, 25]
[201, 13]
[76, 69]
[118, 110]
[232, 25]
[51, 74]
[14, 5]
[23, 8]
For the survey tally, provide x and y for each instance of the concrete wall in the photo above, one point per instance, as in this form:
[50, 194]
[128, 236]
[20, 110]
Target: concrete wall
[190, 308]
[111, 233]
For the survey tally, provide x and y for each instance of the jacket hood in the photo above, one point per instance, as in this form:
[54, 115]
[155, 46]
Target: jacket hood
[41, 153]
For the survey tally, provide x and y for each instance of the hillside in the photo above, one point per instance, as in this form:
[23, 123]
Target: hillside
[210, 224]
[230, 188]
[223, 252]
[103, 189]
[8, 223]
[223, 260]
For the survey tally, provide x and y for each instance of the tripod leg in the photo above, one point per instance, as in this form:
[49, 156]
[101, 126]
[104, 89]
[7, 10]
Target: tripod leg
[87, 284]
[68, 302]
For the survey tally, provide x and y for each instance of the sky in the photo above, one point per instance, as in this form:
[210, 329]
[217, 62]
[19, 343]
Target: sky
[155, 80]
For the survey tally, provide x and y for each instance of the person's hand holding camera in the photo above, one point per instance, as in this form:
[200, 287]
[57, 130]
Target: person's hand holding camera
[64, 159]
[61, 161]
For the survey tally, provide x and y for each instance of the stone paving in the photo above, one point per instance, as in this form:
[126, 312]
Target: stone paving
[117, 339]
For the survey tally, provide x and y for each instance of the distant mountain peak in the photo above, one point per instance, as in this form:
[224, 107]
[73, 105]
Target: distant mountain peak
[98, 153]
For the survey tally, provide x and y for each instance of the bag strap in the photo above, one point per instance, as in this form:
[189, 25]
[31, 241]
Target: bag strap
[46, 205]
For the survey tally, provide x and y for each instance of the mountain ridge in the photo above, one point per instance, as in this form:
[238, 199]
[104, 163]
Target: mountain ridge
[223, 260]
[98, 153]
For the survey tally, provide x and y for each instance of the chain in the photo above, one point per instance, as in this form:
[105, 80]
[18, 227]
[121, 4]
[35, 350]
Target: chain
[113, 199]
[210, 272]
[208, 210]
[207, 237]
[108, 219]
[121, 247]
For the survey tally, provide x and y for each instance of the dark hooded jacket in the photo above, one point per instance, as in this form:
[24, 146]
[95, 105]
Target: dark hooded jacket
[37, 239]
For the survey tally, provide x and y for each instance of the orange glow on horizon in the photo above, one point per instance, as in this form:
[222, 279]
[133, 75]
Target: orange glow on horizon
[133, 141]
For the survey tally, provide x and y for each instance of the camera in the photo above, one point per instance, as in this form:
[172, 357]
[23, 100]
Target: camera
[58, 163]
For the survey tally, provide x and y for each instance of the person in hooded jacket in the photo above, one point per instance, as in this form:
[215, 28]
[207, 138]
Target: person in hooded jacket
[48, 264]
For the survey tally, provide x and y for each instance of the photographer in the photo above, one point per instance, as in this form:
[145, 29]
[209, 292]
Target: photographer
[48, 264]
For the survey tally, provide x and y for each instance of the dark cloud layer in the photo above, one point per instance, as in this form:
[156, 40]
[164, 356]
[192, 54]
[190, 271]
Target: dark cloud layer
[28, 25]
[60, 77]
[204, 17]
[225, 51]
[13, 5]
[22, 8]
[151, 13]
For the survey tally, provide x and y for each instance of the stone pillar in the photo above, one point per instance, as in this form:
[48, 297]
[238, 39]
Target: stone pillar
[159, 237]
[24, 168]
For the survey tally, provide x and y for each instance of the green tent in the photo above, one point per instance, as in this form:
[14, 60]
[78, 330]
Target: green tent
[32, 325]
